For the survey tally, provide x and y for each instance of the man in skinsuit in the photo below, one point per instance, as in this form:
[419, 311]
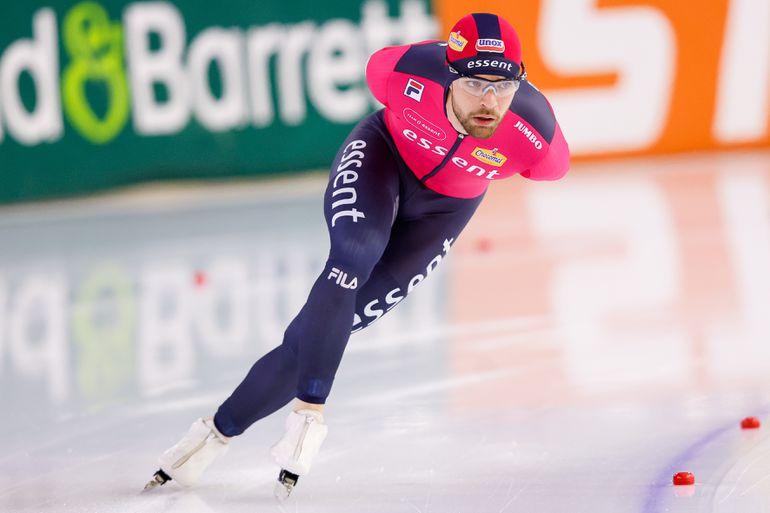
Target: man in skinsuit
[458, 115]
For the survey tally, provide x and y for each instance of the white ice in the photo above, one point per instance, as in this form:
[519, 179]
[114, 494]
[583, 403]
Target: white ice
[584, 341]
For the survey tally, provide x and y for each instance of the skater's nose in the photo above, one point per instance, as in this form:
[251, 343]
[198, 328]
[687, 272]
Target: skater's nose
[489, 99]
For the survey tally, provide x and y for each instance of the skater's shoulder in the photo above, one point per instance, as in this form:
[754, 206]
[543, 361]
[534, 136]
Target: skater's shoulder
[425, 59]
[531, 106]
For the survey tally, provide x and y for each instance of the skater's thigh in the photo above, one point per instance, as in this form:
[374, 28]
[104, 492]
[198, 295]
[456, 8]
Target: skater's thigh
[416, 248]
[426, 228]
[361, 198]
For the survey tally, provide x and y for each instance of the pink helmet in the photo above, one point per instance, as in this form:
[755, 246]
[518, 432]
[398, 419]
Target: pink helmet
[482, 43]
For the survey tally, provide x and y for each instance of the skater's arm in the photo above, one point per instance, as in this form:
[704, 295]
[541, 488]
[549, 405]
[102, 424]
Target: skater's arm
[555, 163]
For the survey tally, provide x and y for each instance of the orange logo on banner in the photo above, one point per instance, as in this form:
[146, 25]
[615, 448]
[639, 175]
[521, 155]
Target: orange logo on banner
[698, 42]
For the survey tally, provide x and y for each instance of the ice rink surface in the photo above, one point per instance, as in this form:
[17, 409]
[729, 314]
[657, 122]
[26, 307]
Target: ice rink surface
[583, 341]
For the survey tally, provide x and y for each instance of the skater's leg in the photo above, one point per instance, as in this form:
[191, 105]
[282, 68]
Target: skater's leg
[417, 245]
[421, 236]
[274, 375]
[359, 206]
[427, 226]
[369, 266]
[423, 233]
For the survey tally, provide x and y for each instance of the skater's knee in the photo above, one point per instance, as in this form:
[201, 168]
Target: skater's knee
[345, 275]
[350, 272]
[356, 256]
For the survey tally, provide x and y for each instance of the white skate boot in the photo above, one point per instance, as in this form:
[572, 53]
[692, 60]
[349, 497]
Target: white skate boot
[186, 461]
[305, 432]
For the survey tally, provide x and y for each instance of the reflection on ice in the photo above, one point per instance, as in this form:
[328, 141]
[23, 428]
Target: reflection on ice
[609, 331]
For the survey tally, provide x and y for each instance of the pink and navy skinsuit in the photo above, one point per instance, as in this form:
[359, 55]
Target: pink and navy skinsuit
[402, 187]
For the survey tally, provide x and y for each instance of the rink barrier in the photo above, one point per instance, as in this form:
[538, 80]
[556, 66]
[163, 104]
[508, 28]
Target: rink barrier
[644, 76]
[95, 94]
[100, 94]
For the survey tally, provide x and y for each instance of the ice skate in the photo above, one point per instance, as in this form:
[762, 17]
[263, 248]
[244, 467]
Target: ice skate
[305, 432]
[186, 461]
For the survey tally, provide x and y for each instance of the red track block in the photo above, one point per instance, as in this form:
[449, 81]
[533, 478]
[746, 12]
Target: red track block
[684, 479]
[750, 423]
[484, 245]
[200, 279]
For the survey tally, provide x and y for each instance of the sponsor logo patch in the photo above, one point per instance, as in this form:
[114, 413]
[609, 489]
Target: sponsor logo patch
[414, 90]
[457, 42]
[341, 279]
[491, 157]
[529, 134]
[423, 124]
[459, 162]
[490, 45]
[486, 63]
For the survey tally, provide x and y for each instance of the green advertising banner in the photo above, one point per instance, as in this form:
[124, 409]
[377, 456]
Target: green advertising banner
[98, 94]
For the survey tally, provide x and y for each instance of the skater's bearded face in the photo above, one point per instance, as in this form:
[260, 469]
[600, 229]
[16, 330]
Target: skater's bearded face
[480, 102]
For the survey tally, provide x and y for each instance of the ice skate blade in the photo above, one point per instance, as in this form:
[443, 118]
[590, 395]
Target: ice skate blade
[159, 479]
[285, 485]
[282, 492]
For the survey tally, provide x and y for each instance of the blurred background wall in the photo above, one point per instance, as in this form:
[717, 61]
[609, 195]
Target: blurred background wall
[646, 76]
[99, 94]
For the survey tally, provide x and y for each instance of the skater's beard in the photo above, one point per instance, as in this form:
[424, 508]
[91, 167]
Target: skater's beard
[470, 121]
